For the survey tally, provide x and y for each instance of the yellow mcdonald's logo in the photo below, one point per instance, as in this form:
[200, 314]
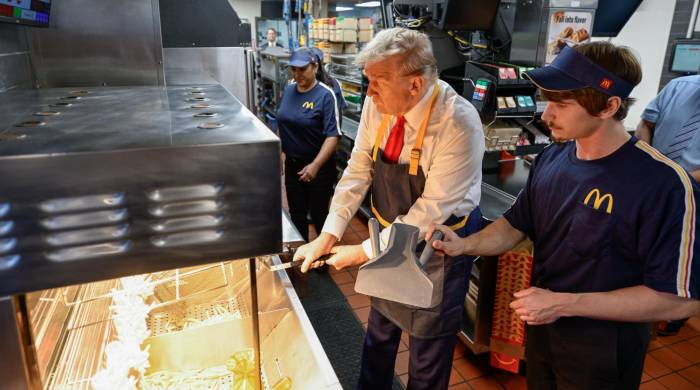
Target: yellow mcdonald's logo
[598, 200]
[309, 105]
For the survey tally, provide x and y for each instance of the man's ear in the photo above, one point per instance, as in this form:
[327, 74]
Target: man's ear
[417, 85]
[613, 106]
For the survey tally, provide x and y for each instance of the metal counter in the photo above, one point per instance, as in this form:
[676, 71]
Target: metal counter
[500, 187]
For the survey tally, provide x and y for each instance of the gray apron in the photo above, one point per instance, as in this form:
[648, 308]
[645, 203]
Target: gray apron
[395, 188]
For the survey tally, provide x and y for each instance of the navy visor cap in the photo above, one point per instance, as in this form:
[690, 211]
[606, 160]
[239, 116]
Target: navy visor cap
[302, 57]
[318, 53]
[572, 70]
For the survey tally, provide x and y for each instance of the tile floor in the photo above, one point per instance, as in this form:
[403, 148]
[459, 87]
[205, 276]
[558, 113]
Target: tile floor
[671, 363]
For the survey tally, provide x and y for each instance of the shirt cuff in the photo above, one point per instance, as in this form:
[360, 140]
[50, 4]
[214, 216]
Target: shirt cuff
[383, 242]
[335, 225]
[367, 247]
[650, 116]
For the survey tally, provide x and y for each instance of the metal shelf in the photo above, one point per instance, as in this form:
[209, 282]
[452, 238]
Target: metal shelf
[347, 79]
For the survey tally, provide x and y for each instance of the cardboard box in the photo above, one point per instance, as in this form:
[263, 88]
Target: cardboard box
[348, 36]
[350, 48]
[346, 23]
[365, 24]
[336, 48]
[365, 35]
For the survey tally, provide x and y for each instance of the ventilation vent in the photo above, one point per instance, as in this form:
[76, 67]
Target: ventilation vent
[189, 215]
[85, 227]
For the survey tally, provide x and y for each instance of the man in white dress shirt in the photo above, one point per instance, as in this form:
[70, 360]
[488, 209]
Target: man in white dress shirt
[420, 146]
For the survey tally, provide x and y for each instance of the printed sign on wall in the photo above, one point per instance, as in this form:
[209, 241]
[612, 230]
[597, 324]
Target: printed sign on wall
[570, 28]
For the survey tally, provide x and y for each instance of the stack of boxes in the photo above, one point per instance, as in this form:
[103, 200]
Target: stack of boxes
[342, 29]
[343, 34]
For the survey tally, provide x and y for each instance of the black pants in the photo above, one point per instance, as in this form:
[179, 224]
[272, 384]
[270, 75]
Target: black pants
[312, 197]
[581, 354]
[429, 361]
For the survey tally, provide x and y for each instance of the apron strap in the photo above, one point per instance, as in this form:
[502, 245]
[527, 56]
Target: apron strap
[416, 151]
[380, 135]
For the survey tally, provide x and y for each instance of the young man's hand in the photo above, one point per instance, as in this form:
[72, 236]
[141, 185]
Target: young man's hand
[537, 306]
[451, 244]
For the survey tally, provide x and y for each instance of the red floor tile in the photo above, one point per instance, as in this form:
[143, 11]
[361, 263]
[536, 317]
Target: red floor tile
[362, 314]
[687, 332]
[403, 346]
[676, 382]
[669, 340]
[486, 383]
[460, 351]
[461, 386]
[693, 323]
[358, 300]
[652, 385]
[403, 379]
[671, 359]
[687, 350]
[646, 377]
[347, 289]
[692, 374]
[342, 277]
[401, 365]
[467, 369]
[655, 344]
[404, 337]
[655, 368]
[695, 341]
[455, 377]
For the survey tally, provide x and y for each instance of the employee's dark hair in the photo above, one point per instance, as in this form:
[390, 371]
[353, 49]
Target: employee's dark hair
[271, 29]
[618, 60]
[321, 74]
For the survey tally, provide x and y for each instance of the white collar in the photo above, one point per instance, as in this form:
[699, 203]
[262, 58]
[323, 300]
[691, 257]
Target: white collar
[415, 115]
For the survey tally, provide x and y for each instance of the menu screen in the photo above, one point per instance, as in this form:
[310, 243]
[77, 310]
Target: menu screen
[31, 12]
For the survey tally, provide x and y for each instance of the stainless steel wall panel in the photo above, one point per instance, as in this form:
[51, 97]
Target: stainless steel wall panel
[92, 43]
[15, 71]
[15, 67]
[196, 65]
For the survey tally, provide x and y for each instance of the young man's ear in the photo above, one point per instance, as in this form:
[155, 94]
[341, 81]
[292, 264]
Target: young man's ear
[614, 104]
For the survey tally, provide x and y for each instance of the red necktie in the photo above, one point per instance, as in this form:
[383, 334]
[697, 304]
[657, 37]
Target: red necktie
[394, 144]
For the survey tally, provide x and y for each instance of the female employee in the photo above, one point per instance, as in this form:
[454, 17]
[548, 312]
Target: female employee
[309, 127]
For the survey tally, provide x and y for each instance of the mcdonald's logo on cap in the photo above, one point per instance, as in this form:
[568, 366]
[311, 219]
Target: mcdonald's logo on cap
[598, 200]
[606, 83]
[308, 105]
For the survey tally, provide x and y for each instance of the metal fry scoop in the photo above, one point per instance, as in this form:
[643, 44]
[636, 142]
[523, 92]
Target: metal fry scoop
[397, 274]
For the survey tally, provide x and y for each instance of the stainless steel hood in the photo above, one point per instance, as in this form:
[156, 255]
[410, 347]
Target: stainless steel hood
[106, 182]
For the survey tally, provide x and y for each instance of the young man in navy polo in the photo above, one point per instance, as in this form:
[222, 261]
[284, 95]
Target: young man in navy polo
[613, 222]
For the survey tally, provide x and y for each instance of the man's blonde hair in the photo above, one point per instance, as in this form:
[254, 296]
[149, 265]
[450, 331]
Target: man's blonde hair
[413, 45]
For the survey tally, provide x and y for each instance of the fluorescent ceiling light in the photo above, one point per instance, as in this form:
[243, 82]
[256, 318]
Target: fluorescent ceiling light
[369, 4]
[340, 9]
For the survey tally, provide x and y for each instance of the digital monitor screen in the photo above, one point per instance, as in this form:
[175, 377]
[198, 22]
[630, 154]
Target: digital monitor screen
[686, 57]
[29, 12]
[468, 14]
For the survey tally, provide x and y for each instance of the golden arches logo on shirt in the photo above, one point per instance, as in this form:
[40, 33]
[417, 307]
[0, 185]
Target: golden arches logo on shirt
[598, 199]
[308, 105]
